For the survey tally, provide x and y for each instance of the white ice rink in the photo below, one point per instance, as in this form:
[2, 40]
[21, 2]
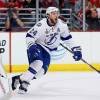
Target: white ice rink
[63, 86]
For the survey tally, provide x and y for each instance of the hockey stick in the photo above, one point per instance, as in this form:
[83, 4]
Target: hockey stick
[7, 95]
[3, 89]
[2, 76]
[81, 59]
[2, 67]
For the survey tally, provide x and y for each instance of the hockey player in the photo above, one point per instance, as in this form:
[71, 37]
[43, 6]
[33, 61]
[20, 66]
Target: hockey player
[41, 39]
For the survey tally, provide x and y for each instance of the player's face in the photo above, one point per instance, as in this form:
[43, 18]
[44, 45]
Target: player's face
[53, 17]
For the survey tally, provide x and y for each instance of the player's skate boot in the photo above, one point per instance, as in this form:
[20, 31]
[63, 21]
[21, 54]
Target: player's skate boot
[23, 87]
[15, 82]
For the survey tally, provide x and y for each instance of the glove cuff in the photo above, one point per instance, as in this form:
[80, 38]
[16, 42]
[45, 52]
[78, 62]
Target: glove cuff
[78, 48]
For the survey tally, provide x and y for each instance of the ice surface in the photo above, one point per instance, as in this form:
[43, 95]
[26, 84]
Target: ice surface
[63, 86]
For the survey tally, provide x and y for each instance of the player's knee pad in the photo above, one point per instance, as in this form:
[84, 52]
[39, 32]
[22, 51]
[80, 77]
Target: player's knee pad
[36, 65]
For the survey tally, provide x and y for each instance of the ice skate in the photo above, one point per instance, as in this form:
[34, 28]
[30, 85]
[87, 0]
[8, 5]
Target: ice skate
[15, 82]
[23, 87]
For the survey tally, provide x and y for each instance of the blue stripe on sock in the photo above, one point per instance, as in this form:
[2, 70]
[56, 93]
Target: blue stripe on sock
[32, 70]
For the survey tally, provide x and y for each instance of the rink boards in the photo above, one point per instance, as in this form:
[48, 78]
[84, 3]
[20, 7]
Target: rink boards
[57, 67]
[15, 57]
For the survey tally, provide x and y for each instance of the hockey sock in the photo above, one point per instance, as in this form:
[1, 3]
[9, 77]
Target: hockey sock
[32, 71]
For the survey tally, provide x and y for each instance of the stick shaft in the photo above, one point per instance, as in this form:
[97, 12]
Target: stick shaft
[81, 59]
[2, 86]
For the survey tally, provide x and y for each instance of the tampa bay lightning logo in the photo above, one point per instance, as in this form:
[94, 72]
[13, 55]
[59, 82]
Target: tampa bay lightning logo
[51, 39]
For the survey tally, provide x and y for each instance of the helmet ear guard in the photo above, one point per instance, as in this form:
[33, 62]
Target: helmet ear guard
[47, 15]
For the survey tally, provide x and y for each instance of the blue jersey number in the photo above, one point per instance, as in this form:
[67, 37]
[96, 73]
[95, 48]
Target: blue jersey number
[33, 32]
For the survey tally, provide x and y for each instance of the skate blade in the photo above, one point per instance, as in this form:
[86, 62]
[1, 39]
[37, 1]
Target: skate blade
[21, 92]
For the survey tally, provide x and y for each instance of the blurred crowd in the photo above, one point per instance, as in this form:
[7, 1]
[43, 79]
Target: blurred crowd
[93, 14]
[13, 18]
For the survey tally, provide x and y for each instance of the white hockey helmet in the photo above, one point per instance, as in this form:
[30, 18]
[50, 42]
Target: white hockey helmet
[51, 9]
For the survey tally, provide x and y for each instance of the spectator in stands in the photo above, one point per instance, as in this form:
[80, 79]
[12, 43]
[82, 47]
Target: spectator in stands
[78, 10]
[66, 3]
[92, 19]
[13, 20]
[95, 3]
[29, 13]
[69, 4]
[19, 3]
[63, 4]
[2, 4]
[78, 6]
[92, 4]
[48, 3]
[16, 3]
[72, 2]
[29, 4]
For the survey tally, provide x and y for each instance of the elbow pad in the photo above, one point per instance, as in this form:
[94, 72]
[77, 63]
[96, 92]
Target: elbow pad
[30, 41]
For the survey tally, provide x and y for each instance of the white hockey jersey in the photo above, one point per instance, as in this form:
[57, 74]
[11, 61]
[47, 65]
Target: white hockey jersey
[49, 36]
